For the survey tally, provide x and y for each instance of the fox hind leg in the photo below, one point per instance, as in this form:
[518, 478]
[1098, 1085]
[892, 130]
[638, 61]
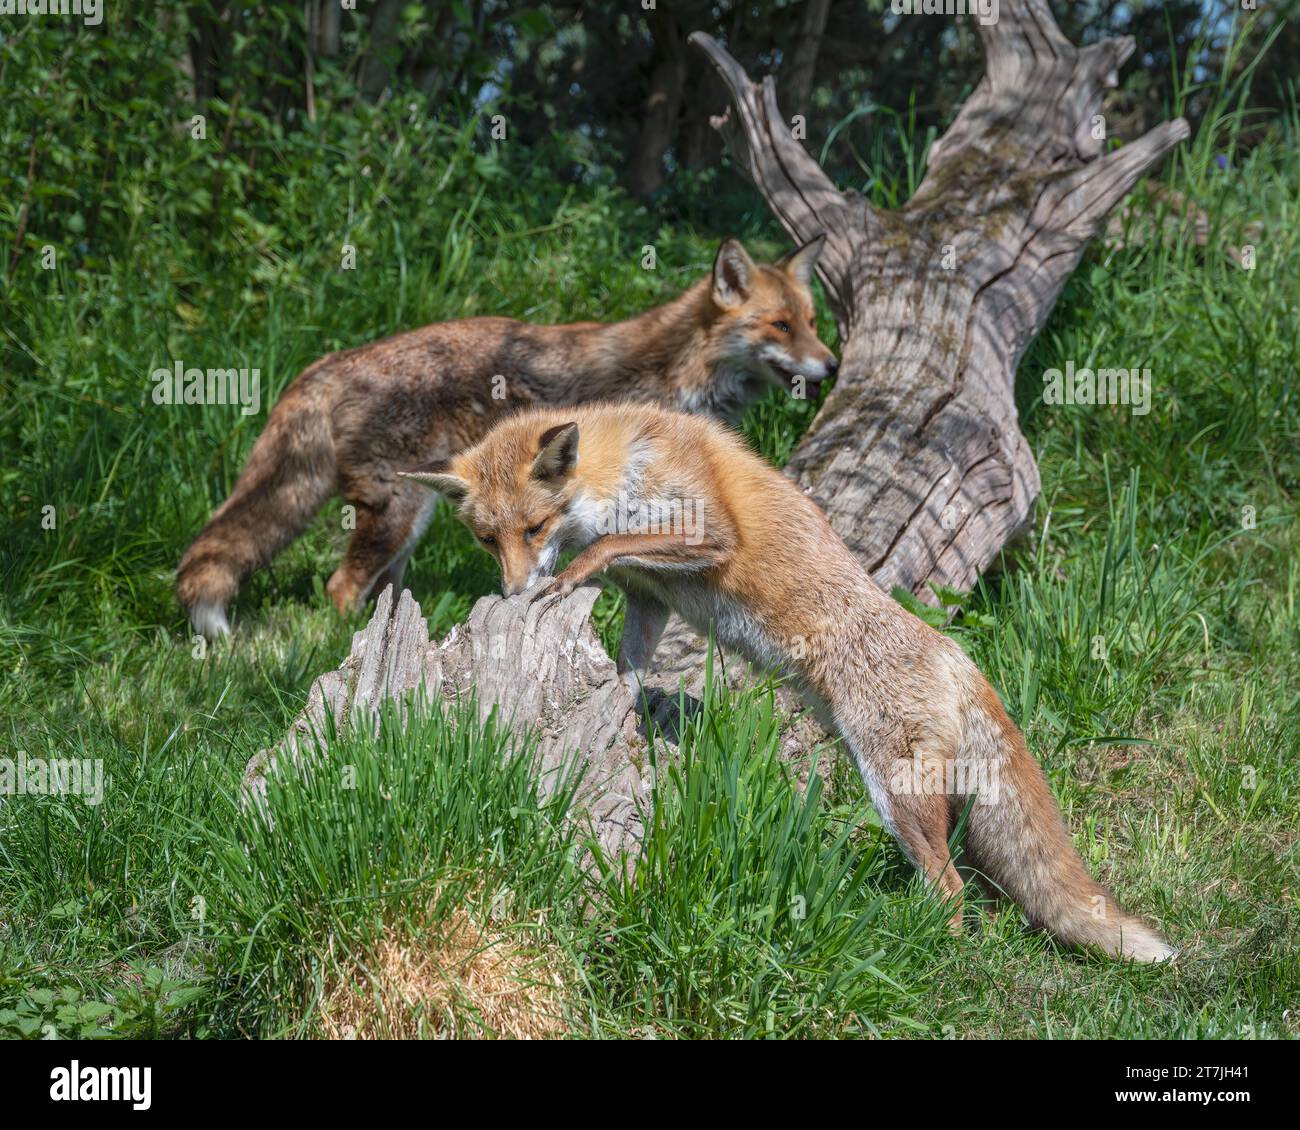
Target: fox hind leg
[920, 821]
[388, 527]
[922, 825]
[397, 567]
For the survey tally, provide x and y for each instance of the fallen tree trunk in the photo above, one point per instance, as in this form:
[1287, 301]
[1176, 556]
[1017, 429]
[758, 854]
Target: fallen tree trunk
[916, 455]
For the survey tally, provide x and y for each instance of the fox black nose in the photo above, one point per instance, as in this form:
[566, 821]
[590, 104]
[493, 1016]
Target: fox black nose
[832, 366]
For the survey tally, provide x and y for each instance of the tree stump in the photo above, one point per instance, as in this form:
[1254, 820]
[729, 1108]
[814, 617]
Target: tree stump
[916, 455]
[539, 665]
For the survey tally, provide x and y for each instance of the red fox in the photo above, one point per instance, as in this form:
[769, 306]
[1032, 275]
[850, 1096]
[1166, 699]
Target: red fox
[350, 421]
[682, 516]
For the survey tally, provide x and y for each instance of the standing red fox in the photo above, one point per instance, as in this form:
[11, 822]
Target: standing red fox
[349, 422]
[683, 517]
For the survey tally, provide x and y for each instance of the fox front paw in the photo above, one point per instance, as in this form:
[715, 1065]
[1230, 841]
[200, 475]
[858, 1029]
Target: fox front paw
[567, 581]
[547, 586]
[560, 586]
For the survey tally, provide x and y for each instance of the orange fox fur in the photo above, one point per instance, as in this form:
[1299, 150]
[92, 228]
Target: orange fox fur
[682, 516]
[349, 422]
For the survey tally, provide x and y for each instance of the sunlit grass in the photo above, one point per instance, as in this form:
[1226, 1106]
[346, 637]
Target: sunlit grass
[1172, 743]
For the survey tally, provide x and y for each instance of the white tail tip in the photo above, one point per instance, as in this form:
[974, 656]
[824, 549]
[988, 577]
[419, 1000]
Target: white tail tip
[210, 621]
[1139, 943]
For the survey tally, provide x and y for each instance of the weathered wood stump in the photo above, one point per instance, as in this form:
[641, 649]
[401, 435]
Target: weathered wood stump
[916, 455]
[539, 665]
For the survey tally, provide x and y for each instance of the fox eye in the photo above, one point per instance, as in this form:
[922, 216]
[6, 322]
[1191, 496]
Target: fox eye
[533, 531]
[487, 539]
[784, 327]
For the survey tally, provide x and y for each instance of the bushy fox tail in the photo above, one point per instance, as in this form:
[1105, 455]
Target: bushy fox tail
[290, 474]
[1016, 838]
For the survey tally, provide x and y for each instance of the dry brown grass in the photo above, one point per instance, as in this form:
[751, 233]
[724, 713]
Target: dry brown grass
[461, 979]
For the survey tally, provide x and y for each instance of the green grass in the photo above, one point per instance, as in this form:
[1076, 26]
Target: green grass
[412, 822]
[758, 908]
[753, 909]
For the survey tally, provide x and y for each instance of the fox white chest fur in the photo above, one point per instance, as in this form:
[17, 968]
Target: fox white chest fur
[640, 506]
[708, 611]
[683, 517]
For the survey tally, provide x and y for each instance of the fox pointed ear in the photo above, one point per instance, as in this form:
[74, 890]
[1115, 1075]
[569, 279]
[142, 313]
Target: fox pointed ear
[733, 274]
[436, 475]
[801, 261]
[557, 453]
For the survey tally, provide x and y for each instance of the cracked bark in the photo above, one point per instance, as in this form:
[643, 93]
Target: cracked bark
[916, 455]
[539, 665]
